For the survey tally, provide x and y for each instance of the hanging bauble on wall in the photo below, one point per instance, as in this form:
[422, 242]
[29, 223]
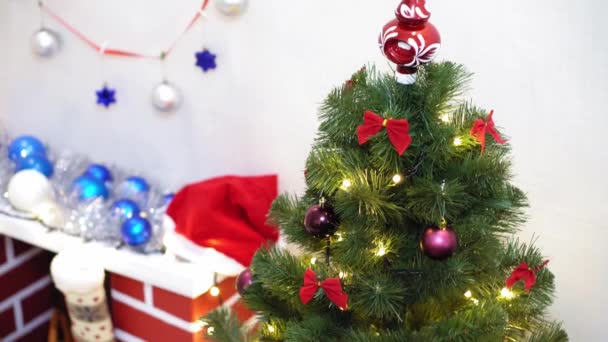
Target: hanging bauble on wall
[106, 96]
[231, 7]
[136, 231]
[35, 162]
[45, 43]
[244, 280]
[166, 97]
[28, 189]
[25, 146]
[320, 220]
[439, 243]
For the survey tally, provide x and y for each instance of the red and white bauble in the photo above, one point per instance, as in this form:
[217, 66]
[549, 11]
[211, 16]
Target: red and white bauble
[410, 40]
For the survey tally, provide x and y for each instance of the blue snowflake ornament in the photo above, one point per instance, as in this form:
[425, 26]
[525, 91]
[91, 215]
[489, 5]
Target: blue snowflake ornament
[106, 96]
[205, 60]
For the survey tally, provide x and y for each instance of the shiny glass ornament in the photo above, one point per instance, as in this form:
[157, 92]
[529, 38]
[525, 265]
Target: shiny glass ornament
[99, 172]
[125, 208]
[136, 231]
[244, 280]
[45, 43]
[166, 97]
[35, 162]
[88, 188]
[25, 146]
[137, 185]
[410, 40]
[320, 221]
[168, 198]
[231, 7]
[439, 243]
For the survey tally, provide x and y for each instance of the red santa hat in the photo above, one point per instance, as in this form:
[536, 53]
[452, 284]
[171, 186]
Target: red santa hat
[221, 222]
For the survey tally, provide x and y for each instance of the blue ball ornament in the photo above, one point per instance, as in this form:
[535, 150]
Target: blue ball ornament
[99, 172]
[25, 146]
[125, 208]
[89, 188]
[136, 231]
[137, 185]
[35, 162]
[168, 198]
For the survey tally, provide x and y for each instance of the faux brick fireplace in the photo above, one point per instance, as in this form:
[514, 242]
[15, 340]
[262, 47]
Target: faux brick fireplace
[153, 298]
[25, 291]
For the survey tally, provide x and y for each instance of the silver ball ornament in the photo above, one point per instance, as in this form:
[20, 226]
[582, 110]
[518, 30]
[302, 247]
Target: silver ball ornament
[166, 97]
[45, 43]
[231, 7]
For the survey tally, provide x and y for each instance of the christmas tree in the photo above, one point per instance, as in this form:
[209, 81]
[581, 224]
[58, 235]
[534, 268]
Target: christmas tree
[407, 219]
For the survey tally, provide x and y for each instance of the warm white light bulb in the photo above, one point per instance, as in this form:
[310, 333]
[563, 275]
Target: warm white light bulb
[340, 237]
[507, 294]
[475, 301]
[457, 141]
[346, 184]
[342, 274]
[313, 261]
[271, 328]
[397, 179]
[381, 251]
[468, 294]
[210, 330]
[214, 291]
[445, 118]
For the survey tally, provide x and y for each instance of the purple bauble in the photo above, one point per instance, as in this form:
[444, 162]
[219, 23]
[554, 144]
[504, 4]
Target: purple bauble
[243, 281]
[439, 243]
[320, 221]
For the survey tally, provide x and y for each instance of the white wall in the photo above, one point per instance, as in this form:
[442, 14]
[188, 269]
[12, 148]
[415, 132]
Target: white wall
[541, 64]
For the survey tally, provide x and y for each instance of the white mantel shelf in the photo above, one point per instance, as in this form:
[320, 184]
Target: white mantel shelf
[184, 278]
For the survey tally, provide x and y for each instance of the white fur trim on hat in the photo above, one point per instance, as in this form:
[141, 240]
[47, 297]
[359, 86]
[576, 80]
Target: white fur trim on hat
[178, 245]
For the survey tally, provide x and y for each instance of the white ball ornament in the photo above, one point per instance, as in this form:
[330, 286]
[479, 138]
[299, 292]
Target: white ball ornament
[28, 189]
[45, 42]
[231, 7]
[166, 97]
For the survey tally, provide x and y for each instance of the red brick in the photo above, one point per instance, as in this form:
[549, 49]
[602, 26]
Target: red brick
[192, 309]
[127, 286]
[40, 333]
[7, 322]
[2, 249]
[25, 274]
[147, 327]
[21, 247]
[37, 303]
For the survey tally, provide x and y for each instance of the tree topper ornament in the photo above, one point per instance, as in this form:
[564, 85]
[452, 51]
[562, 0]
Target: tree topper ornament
[410, 40]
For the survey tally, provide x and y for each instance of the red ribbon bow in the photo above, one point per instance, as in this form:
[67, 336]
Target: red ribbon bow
[331, 287]
[480, 128]
[525, 273]
[397, 130]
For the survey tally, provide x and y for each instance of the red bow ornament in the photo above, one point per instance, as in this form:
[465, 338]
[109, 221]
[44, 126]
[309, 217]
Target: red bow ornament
[331, 287]
[397, 130]
[480, 128]
[525, 273]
